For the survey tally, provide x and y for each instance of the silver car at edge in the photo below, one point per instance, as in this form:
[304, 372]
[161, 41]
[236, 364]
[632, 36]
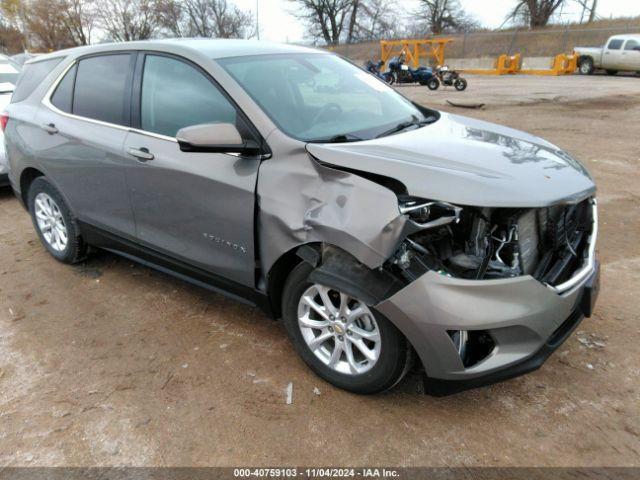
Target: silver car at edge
[9, 71]
[380, 231]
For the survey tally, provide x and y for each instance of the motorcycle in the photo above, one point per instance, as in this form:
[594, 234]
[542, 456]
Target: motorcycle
[399, 72]
[450, 78]
[374, 69]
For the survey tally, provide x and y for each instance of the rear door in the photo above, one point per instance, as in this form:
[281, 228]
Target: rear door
[197, 207]
[631, 55]
[612, 57]
[82, 132]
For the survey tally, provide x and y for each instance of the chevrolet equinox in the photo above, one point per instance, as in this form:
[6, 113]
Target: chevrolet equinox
[379, 230]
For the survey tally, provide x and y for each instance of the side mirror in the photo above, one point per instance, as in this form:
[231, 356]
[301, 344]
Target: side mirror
[215, 137]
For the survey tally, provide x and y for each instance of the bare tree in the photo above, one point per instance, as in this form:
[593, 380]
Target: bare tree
[589, 6]
[11, 38]
[45, 26]
[171, 17]
[78, 18]
[125, 20]
[205, 18]
[326, 18]
[441, 16]
[535, 13]
[51, 24]
[14, 18]
[373, 20]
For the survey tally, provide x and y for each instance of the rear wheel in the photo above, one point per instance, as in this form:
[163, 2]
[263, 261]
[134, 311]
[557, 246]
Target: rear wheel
[586, 66]
[433, 83]
[342, 339]
[55, 224]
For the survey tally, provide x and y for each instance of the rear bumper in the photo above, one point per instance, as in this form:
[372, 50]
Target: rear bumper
[526, 320]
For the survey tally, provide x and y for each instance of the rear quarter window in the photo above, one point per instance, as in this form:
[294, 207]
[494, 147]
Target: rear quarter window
[632, 45]
[31, 76]
[63, 95]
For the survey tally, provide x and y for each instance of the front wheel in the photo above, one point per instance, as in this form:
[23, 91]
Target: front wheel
[586, 66]
[460, 84]
[433, 83]
[340, 338]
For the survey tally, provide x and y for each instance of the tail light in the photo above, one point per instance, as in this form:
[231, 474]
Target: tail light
[4, 118]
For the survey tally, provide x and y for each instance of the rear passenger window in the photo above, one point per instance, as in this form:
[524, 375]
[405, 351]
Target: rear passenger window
[632, 45]
[63, 95]
[31, 76]
[100, 88]
[615, 44]
[177, 95]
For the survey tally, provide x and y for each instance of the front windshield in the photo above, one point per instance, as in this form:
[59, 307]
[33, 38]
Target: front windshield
[320, 97]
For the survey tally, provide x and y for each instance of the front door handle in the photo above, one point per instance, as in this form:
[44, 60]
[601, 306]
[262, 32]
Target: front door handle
[50, 128]
[142, 154]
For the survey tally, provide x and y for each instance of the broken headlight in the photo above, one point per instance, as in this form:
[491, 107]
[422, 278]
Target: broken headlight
[487, 243]
[428, 213]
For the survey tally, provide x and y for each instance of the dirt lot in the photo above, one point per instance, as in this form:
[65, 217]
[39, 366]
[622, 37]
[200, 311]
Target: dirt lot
[110, 363]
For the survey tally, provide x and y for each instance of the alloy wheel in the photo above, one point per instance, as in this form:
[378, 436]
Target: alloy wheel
[50, 222]
[340, 330]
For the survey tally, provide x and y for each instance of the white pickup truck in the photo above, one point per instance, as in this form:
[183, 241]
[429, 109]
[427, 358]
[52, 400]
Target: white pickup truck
[620, 53]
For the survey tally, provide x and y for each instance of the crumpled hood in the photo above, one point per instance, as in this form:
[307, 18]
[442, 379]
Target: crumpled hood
[468, 162]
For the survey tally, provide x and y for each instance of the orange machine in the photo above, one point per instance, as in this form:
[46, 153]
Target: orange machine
[414, 49]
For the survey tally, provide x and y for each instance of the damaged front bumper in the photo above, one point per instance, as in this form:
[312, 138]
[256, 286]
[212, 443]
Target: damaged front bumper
[523, 320]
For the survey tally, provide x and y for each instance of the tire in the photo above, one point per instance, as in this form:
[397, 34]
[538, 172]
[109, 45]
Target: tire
[586, 66]
[394, 354]
[433, 83]
[612, 72]
[460, 84]
[42, 195]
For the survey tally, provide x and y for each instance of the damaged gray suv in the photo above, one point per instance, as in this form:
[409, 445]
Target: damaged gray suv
[379, 230]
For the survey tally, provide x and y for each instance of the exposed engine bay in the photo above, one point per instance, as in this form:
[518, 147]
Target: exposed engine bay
[549, 244]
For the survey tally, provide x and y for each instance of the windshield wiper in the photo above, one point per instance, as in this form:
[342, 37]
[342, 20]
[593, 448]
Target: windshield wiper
[404, 125]
[340, 138]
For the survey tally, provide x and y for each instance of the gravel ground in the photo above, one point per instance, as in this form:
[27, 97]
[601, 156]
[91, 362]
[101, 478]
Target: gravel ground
[110, 363]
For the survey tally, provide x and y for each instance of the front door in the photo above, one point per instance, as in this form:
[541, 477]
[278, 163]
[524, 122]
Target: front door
[195, 206]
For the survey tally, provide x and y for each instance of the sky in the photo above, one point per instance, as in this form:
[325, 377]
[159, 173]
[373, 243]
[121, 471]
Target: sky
[279, 25]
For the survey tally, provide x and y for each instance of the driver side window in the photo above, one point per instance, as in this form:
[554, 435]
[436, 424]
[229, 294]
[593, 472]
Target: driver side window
[615, 44]
[177, 95]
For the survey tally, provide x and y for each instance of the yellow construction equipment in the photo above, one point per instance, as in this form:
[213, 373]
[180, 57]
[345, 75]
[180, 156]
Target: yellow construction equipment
[563, 64]
[414, 49]
[504, 64]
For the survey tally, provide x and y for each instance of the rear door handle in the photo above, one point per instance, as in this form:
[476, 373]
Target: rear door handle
[50, 128]
[141, 154]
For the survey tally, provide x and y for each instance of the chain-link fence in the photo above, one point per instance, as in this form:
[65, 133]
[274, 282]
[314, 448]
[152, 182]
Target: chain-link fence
[545, 42]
